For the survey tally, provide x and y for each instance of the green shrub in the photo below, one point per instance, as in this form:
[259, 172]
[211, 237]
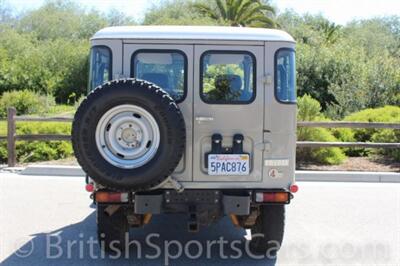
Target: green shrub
[3, 152]
[26, 102]
[40, 150]
[320, 155]
[310, 110]
[389, 114]
[347, 135]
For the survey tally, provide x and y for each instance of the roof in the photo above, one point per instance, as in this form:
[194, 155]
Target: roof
[193, 33]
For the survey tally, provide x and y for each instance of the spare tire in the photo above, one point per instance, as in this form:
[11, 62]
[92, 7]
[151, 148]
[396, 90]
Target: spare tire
[128, 135]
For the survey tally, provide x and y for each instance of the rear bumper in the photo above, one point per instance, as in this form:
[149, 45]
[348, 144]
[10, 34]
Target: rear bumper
[222, 202]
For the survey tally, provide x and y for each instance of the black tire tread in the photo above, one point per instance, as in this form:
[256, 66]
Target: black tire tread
[163, 97]
[270, 223]
[113, 227]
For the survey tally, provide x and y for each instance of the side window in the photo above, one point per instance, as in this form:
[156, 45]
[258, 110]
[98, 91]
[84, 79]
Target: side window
[100, 66]
[165, 68]
[285, 76]
[227, 77]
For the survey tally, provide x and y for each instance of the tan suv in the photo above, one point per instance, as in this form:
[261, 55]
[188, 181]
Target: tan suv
[196, 120]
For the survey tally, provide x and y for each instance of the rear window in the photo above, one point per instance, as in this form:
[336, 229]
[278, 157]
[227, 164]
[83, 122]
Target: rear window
[100, 66]
[227, 77]
[165, 68]
[285, 76]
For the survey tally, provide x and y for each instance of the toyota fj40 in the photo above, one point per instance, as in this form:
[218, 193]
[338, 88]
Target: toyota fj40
[196, 120]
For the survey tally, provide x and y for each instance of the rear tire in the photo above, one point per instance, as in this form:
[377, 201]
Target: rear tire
[112, 231]
[128, 135]
[268, 230]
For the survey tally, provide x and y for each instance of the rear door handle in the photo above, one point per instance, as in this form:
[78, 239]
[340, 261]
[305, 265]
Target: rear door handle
[201, 119]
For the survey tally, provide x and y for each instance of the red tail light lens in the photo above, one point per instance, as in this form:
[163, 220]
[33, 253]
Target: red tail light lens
[277, 197]
[89, 187]
[294, 188]
[103, 196]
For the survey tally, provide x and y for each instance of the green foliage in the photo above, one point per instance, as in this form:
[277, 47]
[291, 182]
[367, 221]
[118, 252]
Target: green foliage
[46, 50]
[118, 18]
[321, 155]
[345, 68]
[349, 68]
[239, 13]
[310, 110]
[376, 35]
[215, 70]
[39, 150]
[388, 114]
[61, 20]
[61, 110]
[26, 102]
[177, 12]
[55, 67]
[3, 128]
[3, 152]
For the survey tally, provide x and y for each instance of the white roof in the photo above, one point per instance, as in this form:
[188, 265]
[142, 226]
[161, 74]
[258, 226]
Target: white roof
[193, 33]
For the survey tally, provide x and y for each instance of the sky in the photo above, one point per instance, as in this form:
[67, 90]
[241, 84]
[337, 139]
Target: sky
[338, 11]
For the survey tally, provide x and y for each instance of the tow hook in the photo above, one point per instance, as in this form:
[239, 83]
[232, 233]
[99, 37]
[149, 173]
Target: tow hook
[176, 185]
[110, 210]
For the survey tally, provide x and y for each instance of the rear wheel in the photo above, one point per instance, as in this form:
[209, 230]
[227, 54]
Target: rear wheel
[267, 232]
[112, 230]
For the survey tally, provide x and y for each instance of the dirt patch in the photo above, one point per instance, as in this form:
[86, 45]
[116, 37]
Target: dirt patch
[368, 164]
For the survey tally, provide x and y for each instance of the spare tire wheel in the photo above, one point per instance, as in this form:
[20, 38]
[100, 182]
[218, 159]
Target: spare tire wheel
[128, 135]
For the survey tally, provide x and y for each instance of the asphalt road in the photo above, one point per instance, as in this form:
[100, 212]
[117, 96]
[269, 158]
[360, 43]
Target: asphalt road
[50, 221]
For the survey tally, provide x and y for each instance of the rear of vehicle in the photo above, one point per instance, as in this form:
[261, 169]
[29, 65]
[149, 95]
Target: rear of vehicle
[198, 120]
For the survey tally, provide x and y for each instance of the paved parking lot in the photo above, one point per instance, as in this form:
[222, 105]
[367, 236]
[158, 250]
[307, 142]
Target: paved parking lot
[50, 221]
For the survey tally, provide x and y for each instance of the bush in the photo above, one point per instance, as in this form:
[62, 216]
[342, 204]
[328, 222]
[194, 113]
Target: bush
[58, 67]
[26, 102]
[40, 150]
[346, 68]
[389, 114]
[3, 152]
[309, 109]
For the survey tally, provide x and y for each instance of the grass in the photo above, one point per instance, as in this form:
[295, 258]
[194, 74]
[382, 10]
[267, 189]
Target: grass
[57, 110]
[3, 128]
[60, 110]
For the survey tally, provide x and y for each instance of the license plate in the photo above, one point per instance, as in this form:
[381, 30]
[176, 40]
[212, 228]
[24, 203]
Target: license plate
[228, 164]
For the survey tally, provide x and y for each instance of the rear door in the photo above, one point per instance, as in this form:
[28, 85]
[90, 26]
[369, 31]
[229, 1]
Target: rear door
[228, 100]
[169, 66]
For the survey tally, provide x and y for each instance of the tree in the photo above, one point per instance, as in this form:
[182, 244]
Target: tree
[178, 12]
[330, 31]
[242, 13]
[61, 19]
[118, 18]
[376, 34]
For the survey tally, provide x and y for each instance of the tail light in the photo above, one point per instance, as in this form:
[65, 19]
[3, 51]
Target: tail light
[273, 197]
[104, 196]
[89, 187]
[294, 188]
